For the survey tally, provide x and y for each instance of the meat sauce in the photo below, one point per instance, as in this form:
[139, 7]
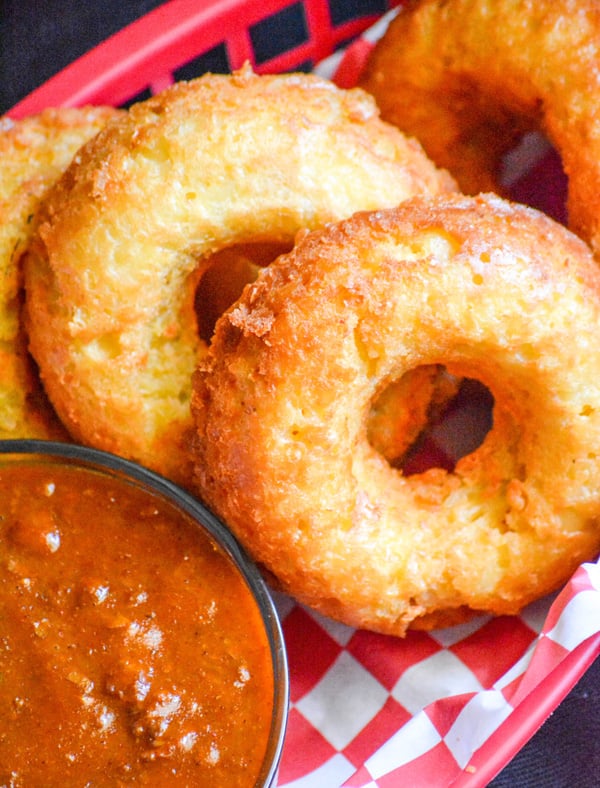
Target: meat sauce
[131, 650]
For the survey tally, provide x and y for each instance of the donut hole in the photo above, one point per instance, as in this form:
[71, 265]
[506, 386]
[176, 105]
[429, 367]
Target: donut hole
[429, 418]
[531, 173]
[228, 271]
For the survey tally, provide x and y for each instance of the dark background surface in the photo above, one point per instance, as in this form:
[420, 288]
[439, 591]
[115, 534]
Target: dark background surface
[36, 41]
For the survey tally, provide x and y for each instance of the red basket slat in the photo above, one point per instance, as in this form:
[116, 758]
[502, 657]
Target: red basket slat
[145, 54]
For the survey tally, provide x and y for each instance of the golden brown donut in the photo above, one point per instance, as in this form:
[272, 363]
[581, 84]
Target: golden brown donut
[129, 230]
[468, 77]
[33, 154]
[495, 292]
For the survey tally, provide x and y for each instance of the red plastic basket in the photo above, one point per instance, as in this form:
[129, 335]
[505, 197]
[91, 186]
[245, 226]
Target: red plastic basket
[346, 671]
[147, 55]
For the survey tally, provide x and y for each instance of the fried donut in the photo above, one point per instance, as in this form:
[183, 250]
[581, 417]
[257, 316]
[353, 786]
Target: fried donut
[497, 293]
[129, 230]
[469, 77]
[33, 154]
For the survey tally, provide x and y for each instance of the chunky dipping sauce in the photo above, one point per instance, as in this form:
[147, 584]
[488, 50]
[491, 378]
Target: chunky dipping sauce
[131, 649]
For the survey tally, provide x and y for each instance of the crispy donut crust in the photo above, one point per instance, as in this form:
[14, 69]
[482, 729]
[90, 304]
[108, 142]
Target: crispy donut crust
[34, 152]
[495, 292]
[129, 230]
[468, 77]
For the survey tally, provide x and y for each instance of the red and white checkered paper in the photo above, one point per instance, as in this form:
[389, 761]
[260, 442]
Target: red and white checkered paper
[370, 710]
[449, 707]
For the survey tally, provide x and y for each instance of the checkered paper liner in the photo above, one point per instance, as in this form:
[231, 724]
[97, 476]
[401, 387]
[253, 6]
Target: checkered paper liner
[449, 707]
[370, 710]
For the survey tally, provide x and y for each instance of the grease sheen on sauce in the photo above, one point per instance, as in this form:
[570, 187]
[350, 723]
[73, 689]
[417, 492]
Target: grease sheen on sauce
[130, 648]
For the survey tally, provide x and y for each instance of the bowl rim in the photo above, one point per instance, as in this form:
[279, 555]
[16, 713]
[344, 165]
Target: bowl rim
[112, 464]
